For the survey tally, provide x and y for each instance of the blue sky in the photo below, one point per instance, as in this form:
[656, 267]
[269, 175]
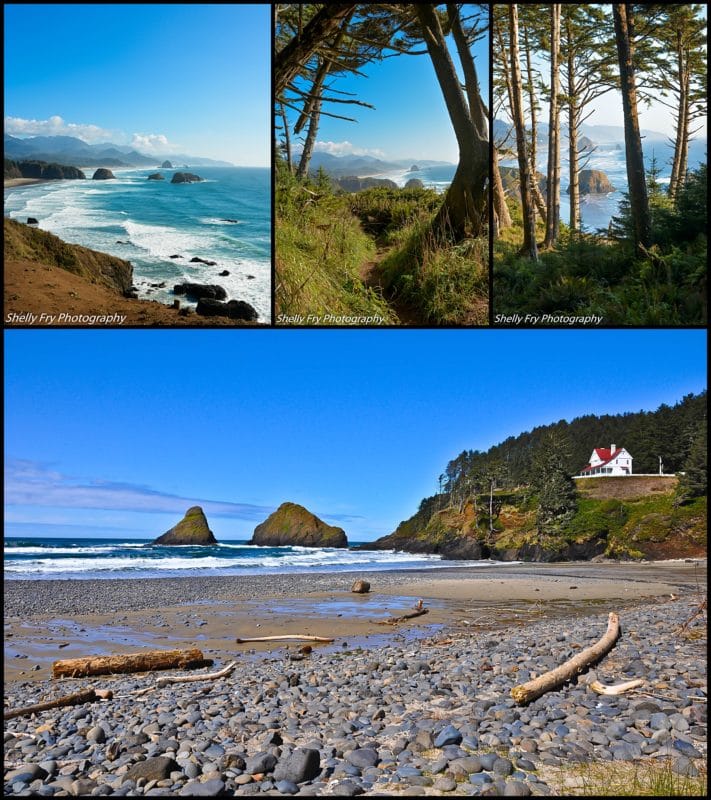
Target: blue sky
[119, 432]
[410, 120]
[196, 75]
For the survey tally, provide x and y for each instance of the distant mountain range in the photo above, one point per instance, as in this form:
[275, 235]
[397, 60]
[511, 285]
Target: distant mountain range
[70, 151]
[347, 165]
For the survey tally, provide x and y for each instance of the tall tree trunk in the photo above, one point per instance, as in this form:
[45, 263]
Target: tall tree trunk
[639, 203]
[463, 212]
[574, 190]
[529, 219]
[477, 109]
[291, 59]
[553, 180]
[287, 138]
[531, 97]
[308, 150]
[680, 120]
[501, 208]
[684, 154]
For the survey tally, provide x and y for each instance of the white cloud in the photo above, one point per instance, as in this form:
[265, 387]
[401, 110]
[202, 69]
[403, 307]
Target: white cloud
[56, 126]
[152, 143]
[346, 148]
[29, 483]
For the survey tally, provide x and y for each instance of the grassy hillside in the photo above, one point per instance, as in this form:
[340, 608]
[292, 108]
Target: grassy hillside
[25, 243]
[368, 253]
[616, 517]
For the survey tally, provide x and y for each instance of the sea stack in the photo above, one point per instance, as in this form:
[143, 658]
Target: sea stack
[185, 177]
[192, 529]
[166, 165]
[156, 176]
[292, 524]
[103, 174]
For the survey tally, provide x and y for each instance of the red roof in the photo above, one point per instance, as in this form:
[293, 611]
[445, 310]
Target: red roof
[606, 455]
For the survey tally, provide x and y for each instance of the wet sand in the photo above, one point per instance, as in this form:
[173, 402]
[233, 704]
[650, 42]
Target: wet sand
[49, 620]
[12, 183]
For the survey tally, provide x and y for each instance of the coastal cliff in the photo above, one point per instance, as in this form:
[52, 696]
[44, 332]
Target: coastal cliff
[629, 518]
[292, 524]
[40, 169]
[23, 243]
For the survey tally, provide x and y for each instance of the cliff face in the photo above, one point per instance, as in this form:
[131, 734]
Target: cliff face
[292, 524]
[353, 184]
[191, 530]
[40, 169]
[629, 518]
[31, 244]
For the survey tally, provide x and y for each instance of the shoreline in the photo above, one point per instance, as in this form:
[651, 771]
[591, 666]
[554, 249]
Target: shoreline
[75, 618]
[15, 183]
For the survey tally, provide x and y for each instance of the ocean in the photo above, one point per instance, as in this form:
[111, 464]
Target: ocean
[596, 210]
[61, 558]
[435, 177]
[145, 222]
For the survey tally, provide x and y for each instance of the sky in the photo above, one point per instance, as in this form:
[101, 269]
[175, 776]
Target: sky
[119, 432]
[183, 78]
[607, 109]
[410, 119]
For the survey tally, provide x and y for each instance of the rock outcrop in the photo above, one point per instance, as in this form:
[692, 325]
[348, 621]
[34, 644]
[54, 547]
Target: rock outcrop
[166, 165]
[103, 174]
[234, 309]
[41, 169]
[24, 243]
[191, 530]
[156, 176]
[414, 183]
[353, 184]
[414, 168]
[185, 177]
[292, 524]
[198, 290]
[593, 181]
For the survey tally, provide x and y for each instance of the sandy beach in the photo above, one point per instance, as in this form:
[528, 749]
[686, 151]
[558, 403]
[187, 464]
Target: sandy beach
[13, 183]
[47, 620]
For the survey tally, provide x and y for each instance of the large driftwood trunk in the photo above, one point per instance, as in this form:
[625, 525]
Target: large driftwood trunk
[76, 699]
[526, 692]
[131, 662]
[639, 203]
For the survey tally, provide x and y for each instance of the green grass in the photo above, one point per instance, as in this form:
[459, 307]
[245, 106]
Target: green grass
[620, 779]
[323, 240]
[320, 248]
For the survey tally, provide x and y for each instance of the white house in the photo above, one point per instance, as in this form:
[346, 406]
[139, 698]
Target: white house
[615, 461]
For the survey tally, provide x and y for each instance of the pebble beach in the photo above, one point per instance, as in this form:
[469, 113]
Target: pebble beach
[418, 708]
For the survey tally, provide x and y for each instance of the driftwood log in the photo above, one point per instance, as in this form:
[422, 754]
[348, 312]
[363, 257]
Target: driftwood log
[616, 688]
[418, 612]
[76, 699]
[286, 637]
[131, 662]
[526, 692]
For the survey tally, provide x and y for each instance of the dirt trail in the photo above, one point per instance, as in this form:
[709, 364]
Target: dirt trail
[372, 277]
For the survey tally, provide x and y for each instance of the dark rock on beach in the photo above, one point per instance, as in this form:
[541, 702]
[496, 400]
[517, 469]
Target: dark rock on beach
[234, 309]
[156, 176]
[175, 256]
[224, 273]
[192, 529]
[32, 221]
[198, 260]
[292, 524]
[200, 290]
[185, 177]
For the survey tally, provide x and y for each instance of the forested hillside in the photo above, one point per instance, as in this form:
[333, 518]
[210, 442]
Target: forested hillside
[518, 500]
[555, 68]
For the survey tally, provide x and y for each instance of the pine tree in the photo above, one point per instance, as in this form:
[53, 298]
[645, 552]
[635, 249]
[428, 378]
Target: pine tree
[551, 481]
[694, 482]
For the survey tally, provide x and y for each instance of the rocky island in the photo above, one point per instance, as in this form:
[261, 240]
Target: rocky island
[594, 181]
[191, 530]
[103, 174]
[292, 524]
[166, 165]
[156, 176]
[185, 177]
